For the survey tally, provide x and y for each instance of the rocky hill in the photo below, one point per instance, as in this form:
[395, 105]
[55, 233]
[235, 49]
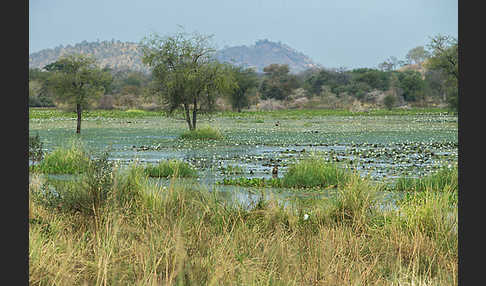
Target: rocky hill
[126, 55]
[264, 53]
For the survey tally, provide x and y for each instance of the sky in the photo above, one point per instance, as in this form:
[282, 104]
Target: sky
[333, 33]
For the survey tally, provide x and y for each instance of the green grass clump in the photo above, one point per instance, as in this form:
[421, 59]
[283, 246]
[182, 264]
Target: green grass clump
[444, 178]
[204, 133]
[314, 172]
[169, 168]
[64, 160]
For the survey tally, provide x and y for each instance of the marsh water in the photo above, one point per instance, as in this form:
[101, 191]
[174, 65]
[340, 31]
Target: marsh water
[381, 147]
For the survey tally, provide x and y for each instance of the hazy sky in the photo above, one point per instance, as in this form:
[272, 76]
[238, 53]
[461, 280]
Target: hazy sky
[333, 33]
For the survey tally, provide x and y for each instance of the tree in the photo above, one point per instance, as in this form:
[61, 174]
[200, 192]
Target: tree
[412, 84]
[376, 79]
[389, 64]
[185, 73]
[444, 58]
[417, 55]
[246, 79]
[76, 79]
[277, 83]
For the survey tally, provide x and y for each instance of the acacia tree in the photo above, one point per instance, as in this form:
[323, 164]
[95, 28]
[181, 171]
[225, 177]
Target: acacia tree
[76, 79]
[277, 82]
[185, 73]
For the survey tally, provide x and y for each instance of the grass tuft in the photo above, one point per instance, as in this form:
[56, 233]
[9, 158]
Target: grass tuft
[446, 177]
[314, 172]
[204, 133]
[64, 160]
[169, 168]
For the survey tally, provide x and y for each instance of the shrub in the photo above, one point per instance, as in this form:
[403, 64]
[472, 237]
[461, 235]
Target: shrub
[205, 133]
[389, 101]
[170, 168]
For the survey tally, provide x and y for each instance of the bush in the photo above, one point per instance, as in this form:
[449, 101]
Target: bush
[205, 133]
[389, 101]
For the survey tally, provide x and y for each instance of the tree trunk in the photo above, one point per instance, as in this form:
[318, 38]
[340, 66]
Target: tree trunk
[194, 112]
[188, 117]
[78, 111]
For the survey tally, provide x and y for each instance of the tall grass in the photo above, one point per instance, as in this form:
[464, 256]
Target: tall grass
[314, 172]
[169, 168]
[444, 178]
[203, 133]
[70, 159]
[186, 235]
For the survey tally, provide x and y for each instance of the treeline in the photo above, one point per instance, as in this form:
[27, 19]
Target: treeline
[425, 77]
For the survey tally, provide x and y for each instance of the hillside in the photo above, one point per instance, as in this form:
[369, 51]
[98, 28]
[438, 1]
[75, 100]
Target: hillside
[264, 53]
[126, 55]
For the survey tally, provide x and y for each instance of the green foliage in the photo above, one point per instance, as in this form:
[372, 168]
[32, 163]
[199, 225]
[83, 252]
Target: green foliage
[314, 172]
[185, 73]
[246, 79]
[277, 82]
[444, 57]
[171, 168]
[76, 79]
[375, 79]
[412, 84]
[204, 133]
[64, 160]
[389, 100]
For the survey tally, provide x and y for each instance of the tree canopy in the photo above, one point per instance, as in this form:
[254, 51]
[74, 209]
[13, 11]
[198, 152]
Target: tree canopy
[76, 79]
[246, 79]
[184, 72]
[445, 59]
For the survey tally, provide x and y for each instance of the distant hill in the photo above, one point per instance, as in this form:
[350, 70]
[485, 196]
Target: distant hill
[264, 53]
[126, 55]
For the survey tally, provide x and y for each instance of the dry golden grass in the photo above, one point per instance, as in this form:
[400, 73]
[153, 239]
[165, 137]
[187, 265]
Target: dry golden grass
[184, 236]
